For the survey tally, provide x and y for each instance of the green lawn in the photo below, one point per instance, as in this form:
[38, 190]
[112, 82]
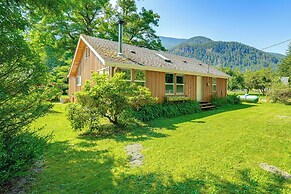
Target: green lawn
[218, 151]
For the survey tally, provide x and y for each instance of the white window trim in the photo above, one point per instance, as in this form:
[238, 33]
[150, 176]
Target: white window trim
[178, 84]
[102, 70]
[180, 92]
[170, 84]
[87, 53]
[138, 81]
[79, 78]
[214, 84]
[130, 74]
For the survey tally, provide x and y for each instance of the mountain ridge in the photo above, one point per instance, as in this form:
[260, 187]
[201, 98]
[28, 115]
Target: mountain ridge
[223, 53]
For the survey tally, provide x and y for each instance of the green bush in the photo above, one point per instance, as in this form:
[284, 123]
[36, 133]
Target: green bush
[229, 99]
[18, 153]
[166, 110]
[112, 98]
[280, 93]
[177, 98]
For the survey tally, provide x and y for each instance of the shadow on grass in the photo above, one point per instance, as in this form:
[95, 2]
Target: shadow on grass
[150, 129]
[171, 123]
[207, 183]
[72, 169]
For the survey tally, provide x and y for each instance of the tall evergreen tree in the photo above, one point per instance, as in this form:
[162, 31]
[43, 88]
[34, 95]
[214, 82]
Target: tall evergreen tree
[285, 65]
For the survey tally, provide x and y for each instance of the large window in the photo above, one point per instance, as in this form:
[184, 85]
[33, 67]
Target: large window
[214, 86]
[169, 84]
[127, 74]
[180, 85]
[139, 77]
[174, 84]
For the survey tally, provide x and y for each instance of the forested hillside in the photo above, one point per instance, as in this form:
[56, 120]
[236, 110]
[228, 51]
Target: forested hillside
[226, 54]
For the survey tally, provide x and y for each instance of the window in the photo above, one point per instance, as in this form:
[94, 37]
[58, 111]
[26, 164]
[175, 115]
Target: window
[180, 84]
[169, 84]
[79, 81]
[103, 71]
[214, 87]
[139, 77]
[127, 74]
[87, 52]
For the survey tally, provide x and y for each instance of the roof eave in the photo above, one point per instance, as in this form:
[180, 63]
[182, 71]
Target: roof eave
[143, 67]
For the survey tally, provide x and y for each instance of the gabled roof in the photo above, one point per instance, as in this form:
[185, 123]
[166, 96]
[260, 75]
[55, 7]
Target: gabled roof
[141, 58]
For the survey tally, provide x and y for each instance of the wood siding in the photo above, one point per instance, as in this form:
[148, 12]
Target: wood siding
[207, 88]
[155, 81]
[221, 87]
[190, 86]
[88, 65]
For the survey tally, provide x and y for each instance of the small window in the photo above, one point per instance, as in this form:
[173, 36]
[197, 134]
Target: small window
[87, 51]
[180, 84]
[127, 74]
[139, 77]
[103, 71]
[169, 84]
[79, 81]
[214, 86]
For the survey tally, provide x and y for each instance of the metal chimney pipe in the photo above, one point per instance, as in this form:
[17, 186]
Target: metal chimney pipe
[120, 37]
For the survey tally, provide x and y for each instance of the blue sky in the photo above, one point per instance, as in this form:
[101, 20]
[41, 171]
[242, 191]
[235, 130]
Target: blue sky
[258, 23]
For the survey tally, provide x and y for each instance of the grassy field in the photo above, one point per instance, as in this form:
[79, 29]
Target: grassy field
[218, 151]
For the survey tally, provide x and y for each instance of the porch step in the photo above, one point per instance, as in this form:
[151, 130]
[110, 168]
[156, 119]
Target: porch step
[206, 106]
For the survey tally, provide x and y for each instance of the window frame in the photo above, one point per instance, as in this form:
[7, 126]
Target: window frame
[170, 84]
[214, 84]
[133, 73]
[179, 84]
[103, 70]
[87, 53]
[79, 80]
[120, 70]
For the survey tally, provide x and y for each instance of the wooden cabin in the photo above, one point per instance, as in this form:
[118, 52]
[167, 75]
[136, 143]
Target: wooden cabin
[163, 73]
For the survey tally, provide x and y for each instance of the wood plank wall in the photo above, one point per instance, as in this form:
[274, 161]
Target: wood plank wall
[221, 87]
[86, 68]
[190, 87]
[207, 88]
[155, 81]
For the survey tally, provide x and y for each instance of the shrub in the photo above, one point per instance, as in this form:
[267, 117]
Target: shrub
[280, 93]
[111, 98]
[166, 110]
[18, 153]
[229, 99]
[176, 98]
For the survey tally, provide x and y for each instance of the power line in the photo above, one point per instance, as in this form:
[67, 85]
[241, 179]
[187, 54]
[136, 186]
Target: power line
[276, 44]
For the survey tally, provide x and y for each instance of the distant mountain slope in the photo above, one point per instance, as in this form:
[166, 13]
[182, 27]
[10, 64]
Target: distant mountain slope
[197, 40]
[169, 42]
[226, 54]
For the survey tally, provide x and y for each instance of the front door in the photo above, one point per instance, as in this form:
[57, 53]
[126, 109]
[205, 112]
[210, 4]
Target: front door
[199, 89]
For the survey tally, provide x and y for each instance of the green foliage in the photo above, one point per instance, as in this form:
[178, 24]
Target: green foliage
[110, 98]
[229, 99]
[22, 76]
[166, 110]
[216, 151]
[176, 98]
[284, 67]
[236, 82]
[18, 153]
[280, 93]
[226, 54]
[261, 79]
[23, 87]
[58, 83]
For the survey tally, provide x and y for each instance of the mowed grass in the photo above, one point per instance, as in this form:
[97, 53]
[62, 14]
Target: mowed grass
[217, 151]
